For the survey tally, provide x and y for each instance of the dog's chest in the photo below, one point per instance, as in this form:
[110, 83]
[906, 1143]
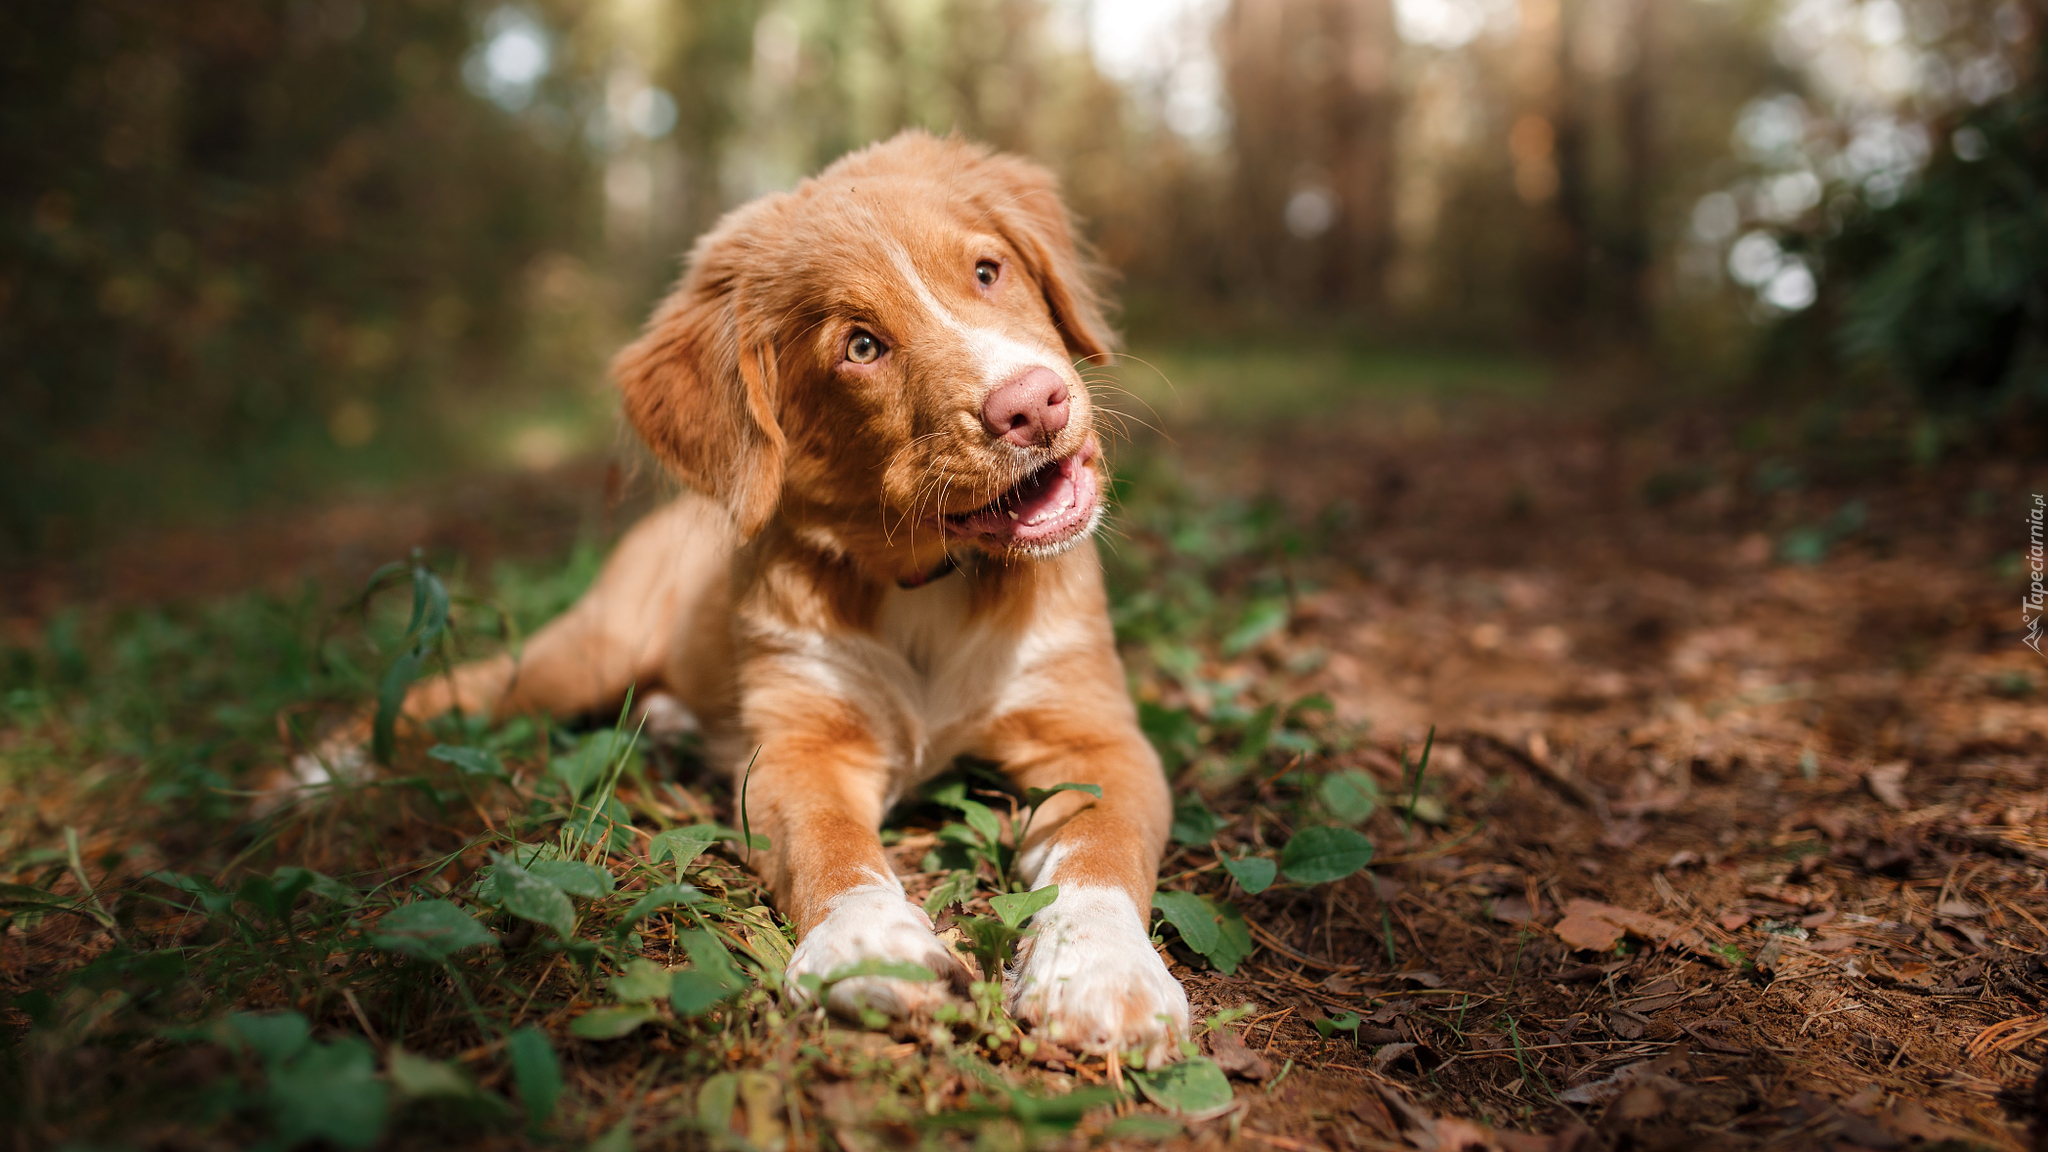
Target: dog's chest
[940, 672]
[946, 658]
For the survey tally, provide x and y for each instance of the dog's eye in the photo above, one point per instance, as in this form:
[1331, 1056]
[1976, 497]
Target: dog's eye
[987, 271]
[863, 348]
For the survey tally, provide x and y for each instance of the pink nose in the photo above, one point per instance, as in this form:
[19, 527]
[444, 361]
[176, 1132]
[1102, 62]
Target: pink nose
[1029, 408]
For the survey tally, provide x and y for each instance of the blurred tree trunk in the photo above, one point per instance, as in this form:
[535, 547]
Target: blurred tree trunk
[1312, 86]
[1630, 246]
[1364, 113]
[1573, 249]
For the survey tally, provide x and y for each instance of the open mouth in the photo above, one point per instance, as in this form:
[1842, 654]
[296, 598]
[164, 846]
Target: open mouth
[1049, 507]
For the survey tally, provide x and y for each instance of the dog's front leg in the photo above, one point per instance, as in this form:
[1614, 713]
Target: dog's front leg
[1088, 974]
[817, 789]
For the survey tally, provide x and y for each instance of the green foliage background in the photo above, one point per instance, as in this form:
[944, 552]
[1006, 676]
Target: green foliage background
[1949, 286]
[225, 221]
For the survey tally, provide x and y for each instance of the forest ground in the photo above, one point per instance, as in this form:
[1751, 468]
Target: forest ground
[1733, 831]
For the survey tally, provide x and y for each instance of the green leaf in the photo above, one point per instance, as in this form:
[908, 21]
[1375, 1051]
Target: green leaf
[330, 1092]
[1036, 796]
[1429, 810]
[716, 1101]
[1142, 1126]
[23, 896]
[1061, 1112]
[429, 605]
[1257, 734]
[1261, 619]
[683, 845]
[617, 1138]
[712, 978]
[693, 993]
[609, 1023]
[1193, 823]
[211, 898]
[611, 826]
[1319, 855]
[529, 897]
[1348, 1022]
[430, 930]
[264, 895]
[574, 877]
[295, 879]
[672, 843]
[390, 693]
[957, 887]
[1233, 939]
[656, 898]
[1192, 916]
[1195, 1088]
[982, 819]
[1174, 732]
[470, 761]
[954, 832]
[274, 1036]
[989, 939]
[1349, 794]
[535, 1073]
[580, 771]
[1254, 874]
[416, 1076]
[642, 981]
[1013, 908]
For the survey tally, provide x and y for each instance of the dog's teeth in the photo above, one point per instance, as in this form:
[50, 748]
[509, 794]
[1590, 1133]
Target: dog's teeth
[1013, 515]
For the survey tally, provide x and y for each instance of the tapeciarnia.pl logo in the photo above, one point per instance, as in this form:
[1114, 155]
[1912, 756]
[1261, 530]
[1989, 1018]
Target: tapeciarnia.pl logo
[2032, 608]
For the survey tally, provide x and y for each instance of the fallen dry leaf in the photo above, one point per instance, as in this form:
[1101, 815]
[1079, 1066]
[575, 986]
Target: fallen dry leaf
[1389, 1053]
[1626, 1025]
[1887, 782]
[1912, 1121]
[1796, 895]
[1640, 1102]
[1911, 973]
[1515, 910]
[1598, 927]
[1584, 926]
[1605, 1089]
[1234, 1058]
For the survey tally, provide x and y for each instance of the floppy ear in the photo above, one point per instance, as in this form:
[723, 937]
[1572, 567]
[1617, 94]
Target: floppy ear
[704, 400]
[1026, 209]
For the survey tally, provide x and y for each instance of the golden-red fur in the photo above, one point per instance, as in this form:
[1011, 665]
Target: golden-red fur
[771, 602]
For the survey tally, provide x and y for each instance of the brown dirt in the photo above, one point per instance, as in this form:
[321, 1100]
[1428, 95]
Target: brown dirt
[1827, 777]
[1812, 796]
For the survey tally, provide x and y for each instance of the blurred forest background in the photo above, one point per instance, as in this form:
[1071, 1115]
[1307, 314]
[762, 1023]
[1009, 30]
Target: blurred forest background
[258, 250]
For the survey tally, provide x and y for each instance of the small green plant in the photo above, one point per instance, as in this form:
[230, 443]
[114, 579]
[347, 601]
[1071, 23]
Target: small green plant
[1412, 810]
[424, 635]
[1328, 1026]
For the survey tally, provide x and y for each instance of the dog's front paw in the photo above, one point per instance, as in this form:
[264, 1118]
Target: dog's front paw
[1091, 980]
[875, 922]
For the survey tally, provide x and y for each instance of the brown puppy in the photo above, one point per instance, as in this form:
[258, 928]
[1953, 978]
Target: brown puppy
[869, 384]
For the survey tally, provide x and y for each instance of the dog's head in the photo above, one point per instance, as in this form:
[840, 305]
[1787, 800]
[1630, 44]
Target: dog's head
[885, 357]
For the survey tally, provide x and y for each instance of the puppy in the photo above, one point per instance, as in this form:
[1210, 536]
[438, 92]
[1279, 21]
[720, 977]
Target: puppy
[868, 384]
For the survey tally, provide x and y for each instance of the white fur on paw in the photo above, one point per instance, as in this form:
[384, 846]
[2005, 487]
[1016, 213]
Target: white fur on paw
[875, 922]
[1091, 980]
[665, 719]
[337, 759]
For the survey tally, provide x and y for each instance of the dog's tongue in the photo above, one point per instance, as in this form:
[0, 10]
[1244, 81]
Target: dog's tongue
[1048, 504]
